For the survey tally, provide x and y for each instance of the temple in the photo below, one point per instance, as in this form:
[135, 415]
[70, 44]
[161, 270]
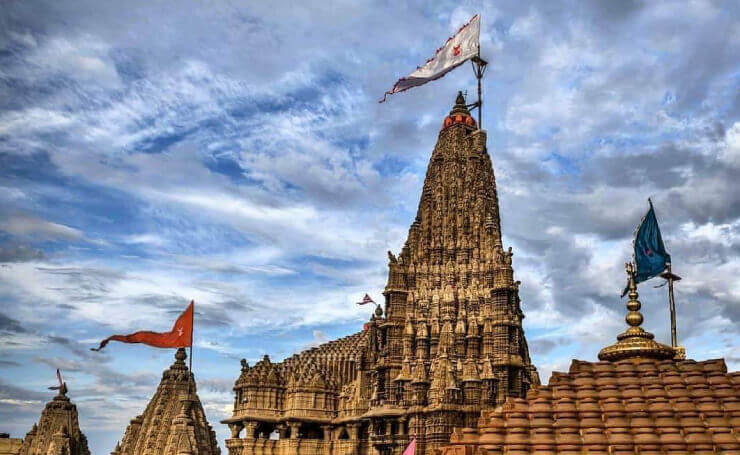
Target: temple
[58, 430]
[640, 398]
[173, 422]
[447, 344]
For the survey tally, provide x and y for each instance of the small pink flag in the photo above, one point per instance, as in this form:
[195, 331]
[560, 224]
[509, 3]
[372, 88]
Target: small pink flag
[365, 300]
[411, 448]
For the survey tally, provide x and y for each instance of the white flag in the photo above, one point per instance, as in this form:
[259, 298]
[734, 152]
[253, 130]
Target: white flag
[456, 51]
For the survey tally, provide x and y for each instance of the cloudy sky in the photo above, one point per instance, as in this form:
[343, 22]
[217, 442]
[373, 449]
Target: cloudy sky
[235, 153]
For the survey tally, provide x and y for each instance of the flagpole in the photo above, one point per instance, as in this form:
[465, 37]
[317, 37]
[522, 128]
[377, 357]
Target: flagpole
[480, 93]
[190, 357]
[668, 275]
[479, 67]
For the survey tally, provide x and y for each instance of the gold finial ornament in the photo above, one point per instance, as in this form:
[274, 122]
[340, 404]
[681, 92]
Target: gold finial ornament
[635, 342]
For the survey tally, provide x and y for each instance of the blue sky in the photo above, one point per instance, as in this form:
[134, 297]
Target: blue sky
[235, 153]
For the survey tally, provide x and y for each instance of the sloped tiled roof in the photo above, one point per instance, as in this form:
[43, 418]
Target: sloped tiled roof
[643, 406]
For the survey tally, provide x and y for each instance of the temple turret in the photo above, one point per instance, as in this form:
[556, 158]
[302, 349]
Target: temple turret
[174, 422]
[58, 430]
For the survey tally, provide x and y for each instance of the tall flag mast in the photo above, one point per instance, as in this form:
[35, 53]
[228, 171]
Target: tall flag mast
[670, 277]
[458, 49]
[479, 68]
[652, 259]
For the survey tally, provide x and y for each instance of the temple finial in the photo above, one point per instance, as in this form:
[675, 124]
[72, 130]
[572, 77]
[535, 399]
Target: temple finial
[460, 106]
[180, 355]
[635, 342]
[460, 114]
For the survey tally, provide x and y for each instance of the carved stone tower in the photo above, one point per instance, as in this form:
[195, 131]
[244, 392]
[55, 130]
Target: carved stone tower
[58, 431]
[173, 422]
[448, 345]
[452, 305]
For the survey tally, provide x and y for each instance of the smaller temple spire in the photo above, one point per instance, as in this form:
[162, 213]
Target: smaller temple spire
[58, 430]
[635, 342]
[174, 415]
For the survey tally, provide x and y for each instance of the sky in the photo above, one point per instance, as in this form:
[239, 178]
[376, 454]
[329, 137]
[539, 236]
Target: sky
[235, 153]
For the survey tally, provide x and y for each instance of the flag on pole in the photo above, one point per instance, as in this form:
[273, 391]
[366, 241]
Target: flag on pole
[180, 336]
[458, 49]
[365, 300]
[411, 448]
[651, 257]
[61, 382]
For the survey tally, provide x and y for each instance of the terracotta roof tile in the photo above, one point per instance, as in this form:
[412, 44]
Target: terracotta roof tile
[628, 407]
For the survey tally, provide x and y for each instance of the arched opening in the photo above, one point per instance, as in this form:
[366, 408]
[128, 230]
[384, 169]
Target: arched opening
[344, 434]
[364, 432]
[264, 429]
[310, 431]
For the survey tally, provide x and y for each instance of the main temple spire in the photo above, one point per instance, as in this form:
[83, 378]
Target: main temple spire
[448, 346]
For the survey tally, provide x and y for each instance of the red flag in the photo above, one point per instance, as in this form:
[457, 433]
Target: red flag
[365, 300]
[180, 336]
[411, 448]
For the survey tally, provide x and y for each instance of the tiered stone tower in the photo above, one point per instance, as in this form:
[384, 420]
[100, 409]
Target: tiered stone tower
[173, 422]
[58, 430]
[449, 344]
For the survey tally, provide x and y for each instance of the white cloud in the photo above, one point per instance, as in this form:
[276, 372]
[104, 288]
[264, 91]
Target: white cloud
[730, 154]
[81, 57]
[28, 226]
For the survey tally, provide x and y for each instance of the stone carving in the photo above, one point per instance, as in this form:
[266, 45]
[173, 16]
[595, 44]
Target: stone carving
[58, 430]
[173, 422]
[448, 345]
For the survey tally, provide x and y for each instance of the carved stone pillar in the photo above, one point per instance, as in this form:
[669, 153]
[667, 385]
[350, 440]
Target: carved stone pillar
[251, 429]
[294, 427]
[236, 428]
[354, 431]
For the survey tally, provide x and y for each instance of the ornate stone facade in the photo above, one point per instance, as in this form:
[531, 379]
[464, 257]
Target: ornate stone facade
[173, 422]
[8, 445]
[448, 345]
[639, 399]
[58, 430]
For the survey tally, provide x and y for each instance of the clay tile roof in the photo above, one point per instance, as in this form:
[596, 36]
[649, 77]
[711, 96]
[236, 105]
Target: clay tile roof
[627, 407]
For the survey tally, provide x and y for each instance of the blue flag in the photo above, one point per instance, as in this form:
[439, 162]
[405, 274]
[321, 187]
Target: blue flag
[651, 258]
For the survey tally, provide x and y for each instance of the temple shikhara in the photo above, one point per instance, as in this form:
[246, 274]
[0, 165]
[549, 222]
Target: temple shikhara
[448, 345]
[57, 431]
[173, 422]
